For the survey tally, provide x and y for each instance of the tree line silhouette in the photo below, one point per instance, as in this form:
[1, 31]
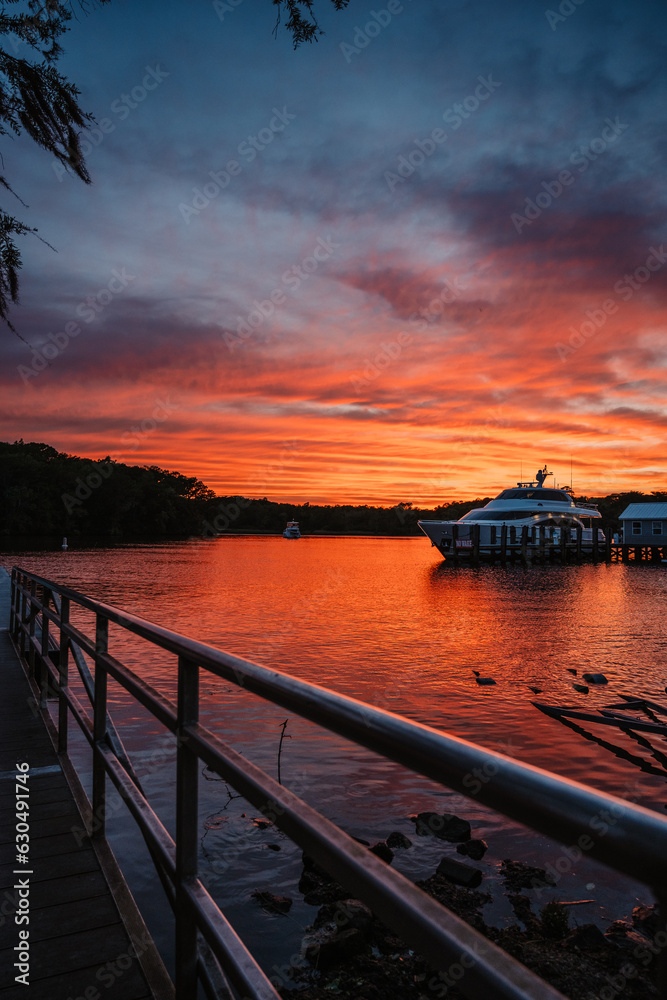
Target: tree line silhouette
[46, 494]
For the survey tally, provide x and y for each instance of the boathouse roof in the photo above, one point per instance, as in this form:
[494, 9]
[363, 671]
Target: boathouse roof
[640, 510]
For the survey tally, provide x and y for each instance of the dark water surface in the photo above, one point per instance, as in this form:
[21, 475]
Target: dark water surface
[383, 620]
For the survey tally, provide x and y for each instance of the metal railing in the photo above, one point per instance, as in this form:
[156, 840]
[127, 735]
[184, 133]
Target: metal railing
[634, 840]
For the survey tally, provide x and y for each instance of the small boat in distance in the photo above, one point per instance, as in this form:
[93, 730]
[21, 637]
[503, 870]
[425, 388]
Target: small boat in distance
[292, 530]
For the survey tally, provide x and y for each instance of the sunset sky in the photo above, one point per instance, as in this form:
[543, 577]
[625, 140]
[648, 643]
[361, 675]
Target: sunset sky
[406, 263]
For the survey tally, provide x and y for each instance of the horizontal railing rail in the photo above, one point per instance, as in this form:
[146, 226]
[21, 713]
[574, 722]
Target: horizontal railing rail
[634, 840]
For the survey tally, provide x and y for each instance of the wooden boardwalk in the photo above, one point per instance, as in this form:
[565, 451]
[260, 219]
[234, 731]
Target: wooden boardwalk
[75, 926]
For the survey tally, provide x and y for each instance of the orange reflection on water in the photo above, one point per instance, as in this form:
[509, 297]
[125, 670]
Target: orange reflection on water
[386, 621]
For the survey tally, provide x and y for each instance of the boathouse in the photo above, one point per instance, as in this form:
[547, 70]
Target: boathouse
[645, 524]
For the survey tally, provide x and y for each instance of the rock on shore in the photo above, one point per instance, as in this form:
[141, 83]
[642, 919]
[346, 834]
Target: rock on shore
[349, 952]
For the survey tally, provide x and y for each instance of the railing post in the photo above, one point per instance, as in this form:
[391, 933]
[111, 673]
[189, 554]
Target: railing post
[13, 605]
[99, 727]
[23, 615]
[31, 629]
[17, 612]
[187, 828]
[62, 676]
[43, 679]
[17, 608]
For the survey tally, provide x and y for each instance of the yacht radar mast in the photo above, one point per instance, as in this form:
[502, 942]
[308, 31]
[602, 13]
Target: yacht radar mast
[540, 476]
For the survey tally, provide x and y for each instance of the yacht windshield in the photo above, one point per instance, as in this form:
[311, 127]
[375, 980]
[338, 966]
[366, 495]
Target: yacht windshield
[535, 494]
[498, 515]
[519, 515]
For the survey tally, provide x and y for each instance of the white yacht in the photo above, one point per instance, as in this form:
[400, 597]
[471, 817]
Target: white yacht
[530, 505]
[292, 530]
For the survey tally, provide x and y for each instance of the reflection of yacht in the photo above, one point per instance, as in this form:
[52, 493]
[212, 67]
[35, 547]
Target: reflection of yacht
[292, 530]
[530, 505]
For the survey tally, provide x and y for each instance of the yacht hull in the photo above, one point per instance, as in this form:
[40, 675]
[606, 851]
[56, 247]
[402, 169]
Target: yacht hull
[451, 537]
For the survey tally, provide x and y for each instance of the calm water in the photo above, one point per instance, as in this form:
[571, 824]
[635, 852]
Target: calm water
[385, 621]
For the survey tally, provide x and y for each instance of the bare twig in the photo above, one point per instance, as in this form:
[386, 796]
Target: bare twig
[280, 745]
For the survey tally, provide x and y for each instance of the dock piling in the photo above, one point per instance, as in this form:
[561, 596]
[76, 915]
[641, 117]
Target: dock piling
[455, 538]
[475, 544]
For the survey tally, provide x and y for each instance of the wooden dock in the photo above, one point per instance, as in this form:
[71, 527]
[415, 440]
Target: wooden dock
[540, 548]
[79, 946]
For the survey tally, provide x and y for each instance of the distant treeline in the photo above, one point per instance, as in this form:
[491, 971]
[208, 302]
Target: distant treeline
[48, 494]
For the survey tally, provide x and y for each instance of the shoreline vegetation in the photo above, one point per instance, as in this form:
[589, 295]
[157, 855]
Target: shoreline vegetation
[46, 494]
